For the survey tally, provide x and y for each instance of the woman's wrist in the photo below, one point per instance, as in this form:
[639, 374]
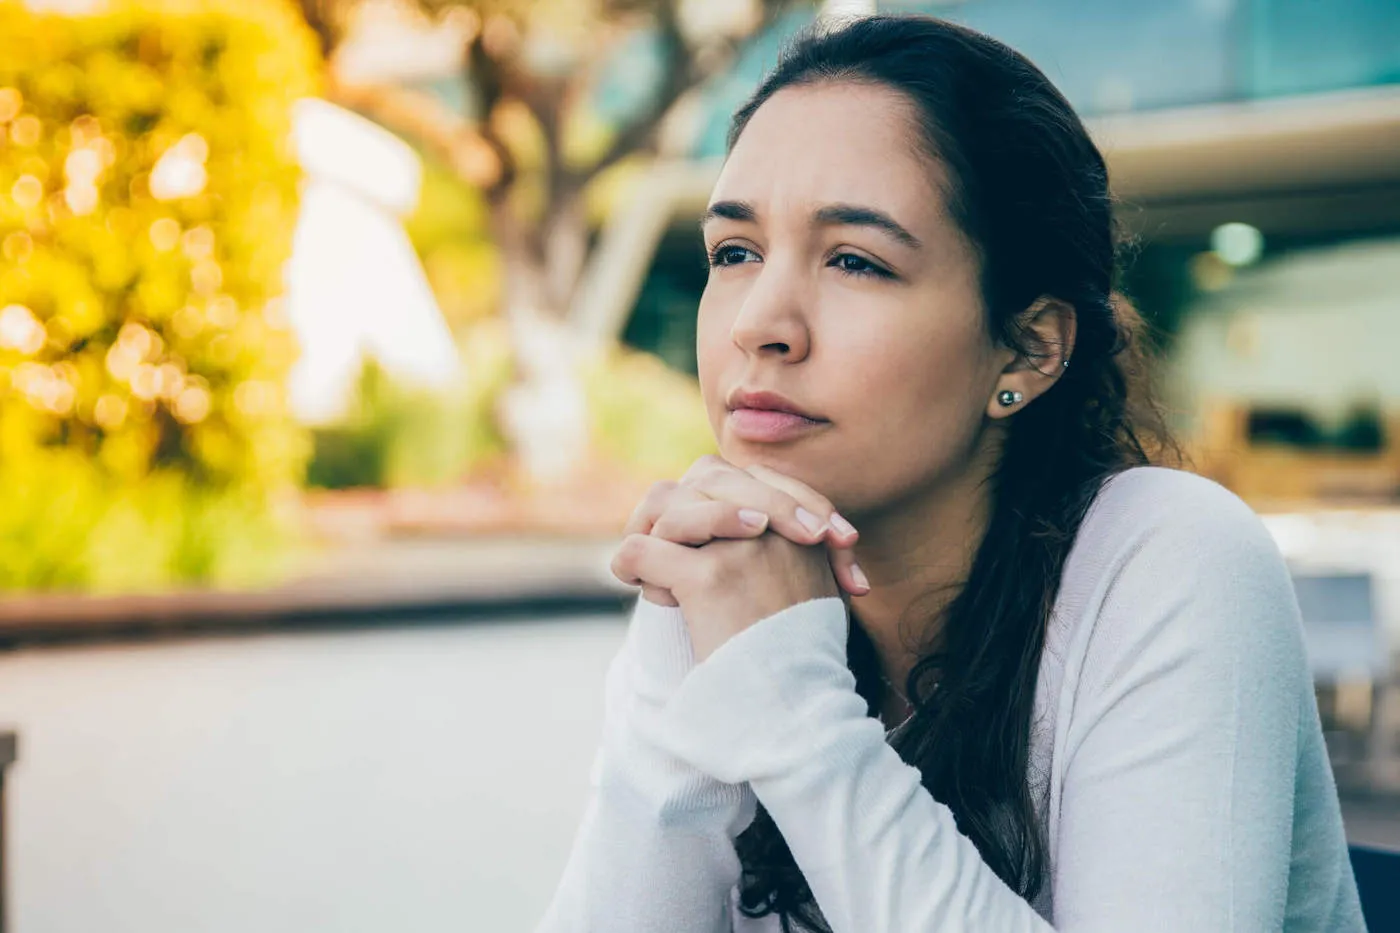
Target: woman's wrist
[658, 648]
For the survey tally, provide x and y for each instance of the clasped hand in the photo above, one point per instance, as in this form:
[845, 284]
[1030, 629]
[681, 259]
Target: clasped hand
[732, 546]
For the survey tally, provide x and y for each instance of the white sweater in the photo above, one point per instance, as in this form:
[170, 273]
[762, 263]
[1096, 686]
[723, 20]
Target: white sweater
[1177, 761]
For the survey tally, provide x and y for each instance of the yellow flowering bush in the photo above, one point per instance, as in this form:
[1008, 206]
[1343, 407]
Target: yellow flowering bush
[147, 203]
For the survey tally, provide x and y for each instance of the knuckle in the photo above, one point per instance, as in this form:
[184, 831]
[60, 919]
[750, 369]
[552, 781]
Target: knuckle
[666, 527]
[759, 471]
[696, 468]
[689, 524]
[705, 468]
[629, 552]
[795, 488]
[720, 509]
[652, 505]
[660, 492]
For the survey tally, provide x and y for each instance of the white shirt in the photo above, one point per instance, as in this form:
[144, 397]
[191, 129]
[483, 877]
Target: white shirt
[1177, 761]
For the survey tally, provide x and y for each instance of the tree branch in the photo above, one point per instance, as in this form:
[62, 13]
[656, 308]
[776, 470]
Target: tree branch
[425, 120]
[327, 19]
[678, 78]
[485, 76]
[681, 75]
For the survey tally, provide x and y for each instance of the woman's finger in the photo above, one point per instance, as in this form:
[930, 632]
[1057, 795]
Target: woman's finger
[662, 496]
[703, 465]
[700, 522]
[801, 508]
[787, 516]
[844, 532]
[658, 595]
[697, 523]
[842, 537]
[848, 573]
[650, 508]
[843, 561]
[645, 560]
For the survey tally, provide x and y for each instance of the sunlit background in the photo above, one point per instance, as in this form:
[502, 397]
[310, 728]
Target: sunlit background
[338, 339]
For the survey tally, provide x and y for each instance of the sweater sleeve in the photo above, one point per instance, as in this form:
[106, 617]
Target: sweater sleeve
[776, 706]
[655, 848]
[1190, 709]
[1178, 760]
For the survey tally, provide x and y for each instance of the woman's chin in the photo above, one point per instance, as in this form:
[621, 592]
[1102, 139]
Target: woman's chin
[790, 461]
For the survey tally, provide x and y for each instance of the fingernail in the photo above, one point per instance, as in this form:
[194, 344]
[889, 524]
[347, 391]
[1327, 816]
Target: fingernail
[841, 525]
[810, 521]
[753, 518]
[858, 575]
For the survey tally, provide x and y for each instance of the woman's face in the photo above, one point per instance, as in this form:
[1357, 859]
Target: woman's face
[840, 281]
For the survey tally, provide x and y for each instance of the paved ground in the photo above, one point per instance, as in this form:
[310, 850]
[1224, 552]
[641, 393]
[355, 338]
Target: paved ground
[423, 779]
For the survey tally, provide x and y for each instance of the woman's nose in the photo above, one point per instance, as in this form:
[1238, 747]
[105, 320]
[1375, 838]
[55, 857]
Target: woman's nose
[771, 318]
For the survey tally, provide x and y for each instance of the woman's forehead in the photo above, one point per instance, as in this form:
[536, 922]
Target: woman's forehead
[845, 143]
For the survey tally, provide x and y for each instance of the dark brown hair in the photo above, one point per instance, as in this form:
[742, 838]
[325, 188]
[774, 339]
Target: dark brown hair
[1029, 190]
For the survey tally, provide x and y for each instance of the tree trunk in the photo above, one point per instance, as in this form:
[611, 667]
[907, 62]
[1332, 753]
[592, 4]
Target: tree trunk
[544, 413]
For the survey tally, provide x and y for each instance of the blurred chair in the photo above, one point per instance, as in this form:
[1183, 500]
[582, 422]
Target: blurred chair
[1339, 621]
[1378, 880]
[7, 757]
[1346, 645]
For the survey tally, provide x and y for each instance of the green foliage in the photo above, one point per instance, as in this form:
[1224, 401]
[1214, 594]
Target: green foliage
[399, 436]
[450, 232]
[147, 202]
[646, 416]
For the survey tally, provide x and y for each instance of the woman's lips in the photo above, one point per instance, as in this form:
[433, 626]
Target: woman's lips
[765, 426]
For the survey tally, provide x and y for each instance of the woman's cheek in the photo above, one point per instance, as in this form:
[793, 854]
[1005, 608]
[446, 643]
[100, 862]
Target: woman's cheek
[710, 354]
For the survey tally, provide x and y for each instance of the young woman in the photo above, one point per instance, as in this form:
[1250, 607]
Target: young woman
[1045, 685]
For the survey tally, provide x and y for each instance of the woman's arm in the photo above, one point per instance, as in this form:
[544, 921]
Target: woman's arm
[1178, 763]
[776, 706]
[1195, 792]
[655, 850]
[655, 847]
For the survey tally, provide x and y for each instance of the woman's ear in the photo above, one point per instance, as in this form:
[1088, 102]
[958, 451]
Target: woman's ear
[1047, 331]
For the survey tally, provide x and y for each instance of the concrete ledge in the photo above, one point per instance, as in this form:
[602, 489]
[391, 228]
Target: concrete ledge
[374, 583]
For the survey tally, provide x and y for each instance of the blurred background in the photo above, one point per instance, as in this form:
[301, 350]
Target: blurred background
[339, 338]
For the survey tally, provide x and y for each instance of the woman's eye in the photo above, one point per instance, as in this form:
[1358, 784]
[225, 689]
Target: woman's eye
[852, 264]
[730, 255]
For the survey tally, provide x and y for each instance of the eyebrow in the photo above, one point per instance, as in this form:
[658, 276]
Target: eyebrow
[729, 210]
[853, 215]
[845, 215]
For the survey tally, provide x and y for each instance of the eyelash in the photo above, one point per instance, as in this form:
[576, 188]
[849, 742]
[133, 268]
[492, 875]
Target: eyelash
[870, 270]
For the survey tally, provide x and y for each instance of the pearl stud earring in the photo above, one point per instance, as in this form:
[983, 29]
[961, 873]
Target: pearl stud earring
[1008, 398]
